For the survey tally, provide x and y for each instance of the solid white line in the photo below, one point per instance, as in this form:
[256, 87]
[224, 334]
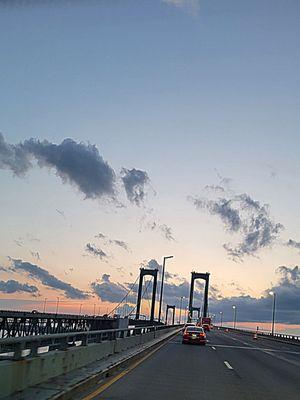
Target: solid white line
[213, 347]
[228, 365]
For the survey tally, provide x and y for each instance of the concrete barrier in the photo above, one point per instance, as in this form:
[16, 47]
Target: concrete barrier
[17, 375]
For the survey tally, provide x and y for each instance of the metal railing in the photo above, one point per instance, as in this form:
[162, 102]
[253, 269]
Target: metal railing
[18, 348]
[290, 338]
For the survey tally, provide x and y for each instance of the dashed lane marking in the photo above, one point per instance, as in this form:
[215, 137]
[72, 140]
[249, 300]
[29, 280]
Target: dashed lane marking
[228, 365]
[213, 347]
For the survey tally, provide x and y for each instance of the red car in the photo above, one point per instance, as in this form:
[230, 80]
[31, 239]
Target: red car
[194, 334]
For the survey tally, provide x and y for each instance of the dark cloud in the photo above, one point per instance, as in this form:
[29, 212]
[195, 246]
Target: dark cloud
[174, 287]
[293, 243]
[40, 274]
[260, 309]
[223, 208]
[115, 242]
[76, 163]
[242, 214]
[95, 251]
[14, 158]
[121, 243]
[134, 181]
[163, 228]
[12, 286]
[249, 308]
[110, 291]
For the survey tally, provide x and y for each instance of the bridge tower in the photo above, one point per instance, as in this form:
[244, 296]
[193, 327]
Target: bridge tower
[195, 309]
[204, 276]
[167, 312]
[144, 272]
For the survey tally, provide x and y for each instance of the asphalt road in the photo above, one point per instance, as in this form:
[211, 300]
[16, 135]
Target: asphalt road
[231, 366]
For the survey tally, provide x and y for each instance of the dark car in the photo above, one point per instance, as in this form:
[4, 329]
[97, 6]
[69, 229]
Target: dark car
[194, 334]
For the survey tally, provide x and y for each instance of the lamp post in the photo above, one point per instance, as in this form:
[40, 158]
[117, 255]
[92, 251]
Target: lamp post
[273, 312]
[181, 298]
[45, 301]
[234, 316]
[162, 286]
[80, 307]
[221, 318]
[57, 304]
[185, 313]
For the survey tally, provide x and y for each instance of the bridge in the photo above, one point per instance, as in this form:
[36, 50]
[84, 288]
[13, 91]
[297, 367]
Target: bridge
[51, 357]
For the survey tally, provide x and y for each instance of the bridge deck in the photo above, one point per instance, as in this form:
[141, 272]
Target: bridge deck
[231, 366]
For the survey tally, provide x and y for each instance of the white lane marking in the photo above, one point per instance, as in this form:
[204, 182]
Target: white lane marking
[228, 365]
[257, 348]
[213, 347]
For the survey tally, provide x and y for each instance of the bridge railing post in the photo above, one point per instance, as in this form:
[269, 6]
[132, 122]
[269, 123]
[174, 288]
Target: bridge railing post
[19, 347]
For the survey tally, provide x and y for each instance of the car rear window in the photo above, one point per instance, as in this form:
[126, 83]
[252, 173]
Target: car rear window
[194, 329]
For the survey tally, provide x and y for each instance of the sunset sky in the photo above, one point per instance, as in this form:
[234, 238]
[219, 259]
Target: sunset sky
[131, 130]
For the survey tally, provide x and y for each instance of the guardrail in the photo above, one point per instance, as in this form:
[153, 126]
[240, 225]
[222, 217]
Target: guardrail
[278, 336]
[18, 348]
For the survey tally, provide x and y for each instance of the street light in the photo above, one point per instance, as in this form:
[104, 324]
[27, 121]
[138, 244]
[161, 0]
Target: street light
[181, 298]
[45, 301]
[273, 312]
[162, 286]
[221, 318]
[57, 304]
[234, 316]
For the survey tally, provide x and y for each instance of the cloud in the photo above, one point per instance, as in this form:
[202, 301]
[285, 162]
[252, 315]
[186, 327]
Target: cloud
[12, 286]
[115, 242]
[249, 308]
[163, 228]
[14, 158]
[75, 163]
[121, 243]
[293, 243]
[95, 251]
[61, 213]
[246, 216]
[190, 6]
[134, 181]
[222, 208]
[35, 254]
[40, 274]
[110, 291]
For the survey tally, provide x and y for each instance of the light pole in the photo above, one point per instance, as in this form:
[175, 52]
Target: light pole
[57, 304]
[45, 301]
[80, 307]
[181, 298]
[162, 286]
[273, 312]
[221, 318]
[234, 316]
[185, 312]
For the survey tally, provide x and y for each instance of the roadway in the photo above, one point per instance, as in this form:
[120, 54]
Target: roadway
[231, 366]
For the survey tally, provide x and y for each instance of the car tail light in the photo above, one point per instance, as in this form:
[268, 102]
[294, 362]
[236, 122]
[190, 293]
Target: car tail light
[185, 335]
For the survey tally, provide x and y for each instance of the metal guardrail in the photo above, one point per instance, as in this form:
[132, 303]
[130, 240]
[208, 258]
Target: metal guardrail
[290, 338]
[18, 348]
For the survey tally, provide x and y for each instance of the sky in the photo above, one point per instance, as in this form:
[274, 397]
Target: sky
[131, 130]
